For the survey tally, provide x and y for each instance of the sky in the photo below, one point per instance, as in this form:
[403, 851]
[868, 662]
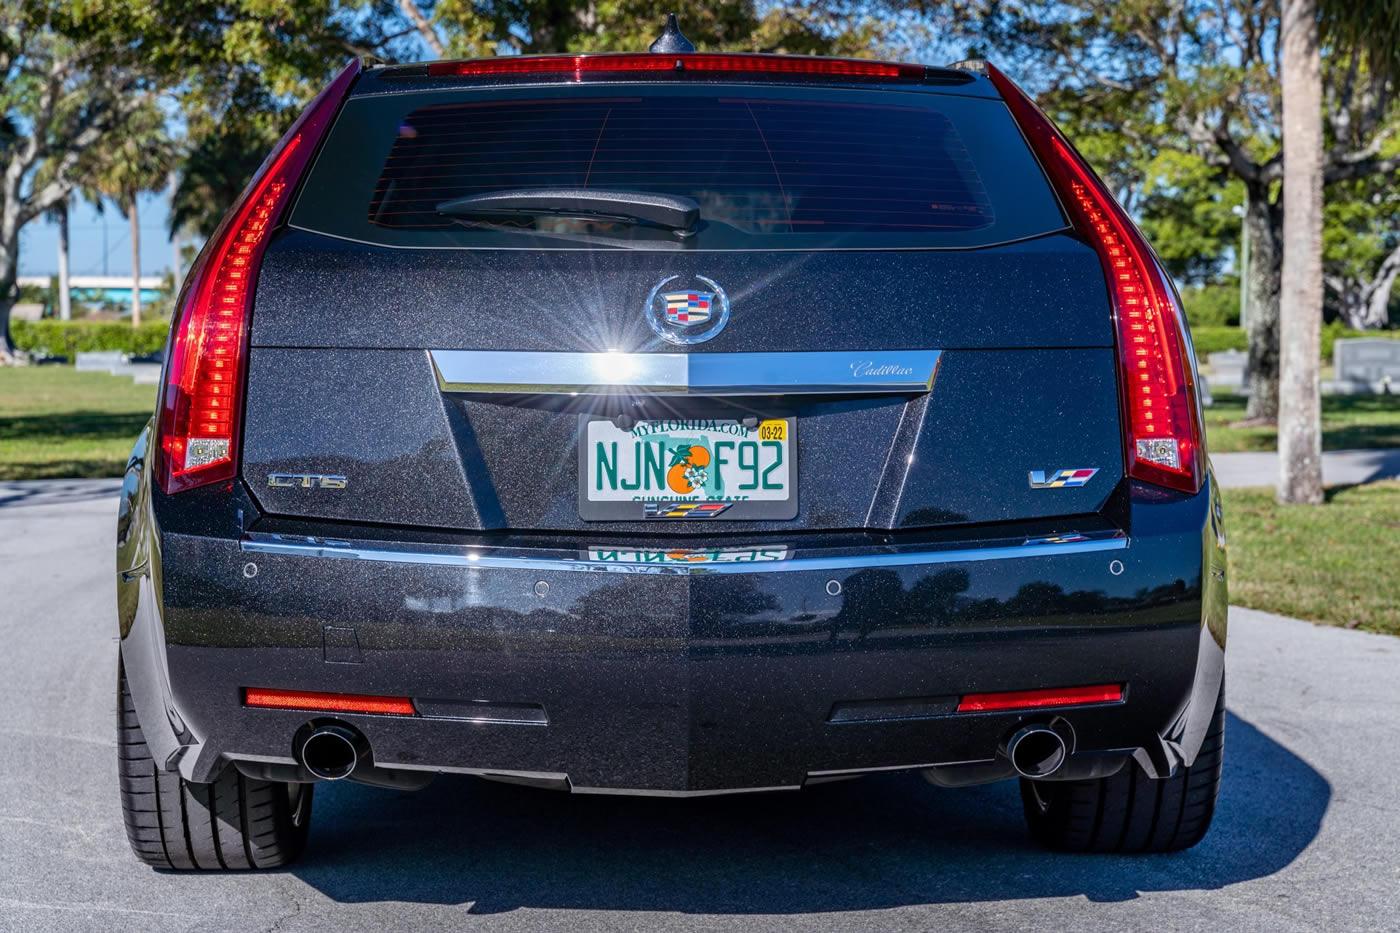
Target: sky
[38, 242]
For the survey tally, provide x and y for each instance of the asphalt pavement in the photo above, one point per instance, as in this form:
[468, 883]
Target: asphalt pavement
[1339, 467]
[1307, 835]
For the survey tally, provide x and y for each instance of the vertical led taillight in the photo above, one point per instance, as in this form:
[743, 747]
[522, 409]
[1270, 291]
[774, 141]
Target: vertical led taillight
[201, 406]
[1161, 424]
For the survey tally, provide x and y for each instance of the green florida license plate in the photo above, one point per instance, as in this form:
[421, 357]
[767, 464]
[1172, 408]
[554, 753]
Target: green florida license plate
[688, 469]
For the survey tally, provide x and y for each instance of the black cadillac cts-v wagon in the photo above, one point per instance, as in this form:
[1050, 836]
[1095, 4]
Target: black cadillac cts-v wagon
[671, 423]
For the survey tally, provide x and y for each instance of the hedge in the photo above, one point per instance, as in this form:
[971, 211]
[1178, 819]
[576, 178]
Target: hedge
[1211, 305]
[69, 338]
[1210, 340]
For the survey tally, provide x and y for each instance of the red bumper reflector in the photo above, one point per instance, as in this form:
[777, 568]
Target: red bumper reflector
[327, 702]
[1037, 699]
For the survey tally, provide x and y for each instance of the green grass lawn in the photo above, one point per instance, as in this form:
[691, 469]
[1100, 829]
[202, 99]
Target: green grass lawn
[1338, 563]
[57, 422]
[1348, 422]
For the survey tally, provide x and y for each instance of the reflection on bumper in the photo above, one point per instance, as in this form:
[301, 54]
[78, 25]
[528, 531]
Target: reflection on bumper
[663, 674]
[685, 562]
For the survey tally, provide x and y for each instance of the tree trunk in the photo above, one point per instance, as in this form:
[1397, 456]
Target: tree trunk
[1300, 306]
[1265, 222]
[133, 216]
[65, 298]
[1366, 305]
[177, 273]
[8, 270]
[424, 26]
[1378, 307]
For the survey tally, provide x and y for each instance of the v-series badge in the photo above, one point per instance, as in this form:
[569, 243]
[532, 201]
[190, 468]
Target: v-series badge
[306, 480]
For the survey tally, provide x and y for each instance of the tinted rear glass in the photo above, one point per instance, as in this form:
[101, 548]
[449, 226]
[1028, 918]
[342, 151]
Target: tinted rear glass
[785, 168]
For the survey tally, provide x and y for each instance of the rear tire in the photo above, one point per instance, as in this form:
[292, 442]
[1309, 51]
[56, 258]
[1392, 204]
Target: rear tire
[236, 822]
[1129, 811]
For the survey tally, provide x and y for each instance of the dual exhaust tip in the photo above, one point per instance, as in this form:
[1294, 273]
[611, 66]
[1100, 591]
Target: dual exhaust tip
[333, 751]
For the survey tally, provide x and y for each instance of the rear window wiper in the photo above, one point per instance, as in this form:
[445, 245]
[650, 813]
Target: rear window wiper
[673, 212]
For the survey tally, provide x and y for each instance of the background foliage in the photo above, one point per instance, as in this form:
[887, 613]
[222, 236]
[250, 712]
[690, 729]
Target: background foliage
[67, 338]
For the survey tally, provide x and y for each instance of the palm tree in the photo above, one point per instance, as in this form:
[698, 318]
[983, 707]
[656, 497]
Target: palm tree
[59, 215]
[1300, 290]
[1372, 26]
[136, 159]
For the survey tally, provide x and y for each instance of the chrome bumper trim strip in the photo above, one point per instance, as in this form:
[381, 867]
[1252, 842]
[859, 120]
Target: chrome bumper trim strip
[707, 374]
[507, 559]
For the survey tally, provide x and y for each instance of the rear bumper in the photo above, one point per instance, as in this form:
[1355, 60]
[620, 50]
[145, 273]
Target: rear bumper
[563, 668]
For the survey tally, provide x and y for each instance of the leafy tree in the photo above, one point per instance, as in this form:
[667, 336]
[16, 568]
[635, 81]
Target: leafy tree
[1188, 209]
[1361, 240]
[1361, 250]
[467, 28]
[74, 71]
[250, 77]
[219, 157]
[62, 91]
[1200, 78]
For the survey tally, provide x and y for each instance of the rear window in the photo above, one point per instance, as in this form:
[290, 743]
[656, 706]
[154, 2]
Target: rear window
[770, 168]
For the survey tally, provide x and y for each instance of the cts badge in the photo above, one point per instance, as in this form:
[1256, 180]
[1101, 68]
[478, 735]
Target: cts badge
[306, 481]
[1062, 479]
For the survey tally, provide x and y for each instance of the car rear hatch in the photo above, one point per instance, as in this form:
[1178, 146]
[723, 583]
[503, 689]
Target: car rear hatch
[885, 291]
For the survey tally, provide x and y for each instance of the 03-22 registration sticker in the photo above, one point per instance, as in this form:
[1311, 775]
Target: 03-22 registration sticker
[688, 469]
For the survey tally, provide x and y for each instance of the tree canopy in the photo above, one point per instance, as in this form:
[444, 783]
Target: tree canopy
[1165, 94]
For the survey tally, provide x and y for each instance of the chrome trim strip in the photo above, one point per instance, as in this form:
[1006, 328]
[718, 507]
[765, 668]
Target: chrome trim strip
[255, 543]
[550, 373]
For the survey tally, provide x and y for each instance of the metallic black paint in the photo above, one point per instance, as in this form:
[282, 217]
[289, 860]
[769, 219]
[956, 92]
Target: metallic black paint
[318, 291]
[417, 457]
[667, 683]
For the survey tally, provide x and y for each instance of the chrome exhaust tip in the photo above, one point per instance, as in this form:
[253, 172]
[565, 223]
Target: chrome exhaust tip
[332, 752]
[1036, 751]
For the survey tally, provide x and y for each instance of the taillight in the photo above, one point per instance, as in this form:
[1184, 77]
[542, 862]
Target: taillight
[580, 65]
[1161, 427]
[202, 401]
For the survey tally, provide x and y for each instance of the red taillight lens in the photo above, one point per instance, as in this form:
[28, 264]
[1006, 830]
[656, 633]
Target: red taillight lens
[580, 65]
[202, 400]
[1039, 699]
[310, 702]
[1161, 427]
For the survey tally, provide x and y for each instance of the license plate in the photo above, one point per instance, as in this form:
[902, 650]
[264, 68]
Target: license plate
[688, 469]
